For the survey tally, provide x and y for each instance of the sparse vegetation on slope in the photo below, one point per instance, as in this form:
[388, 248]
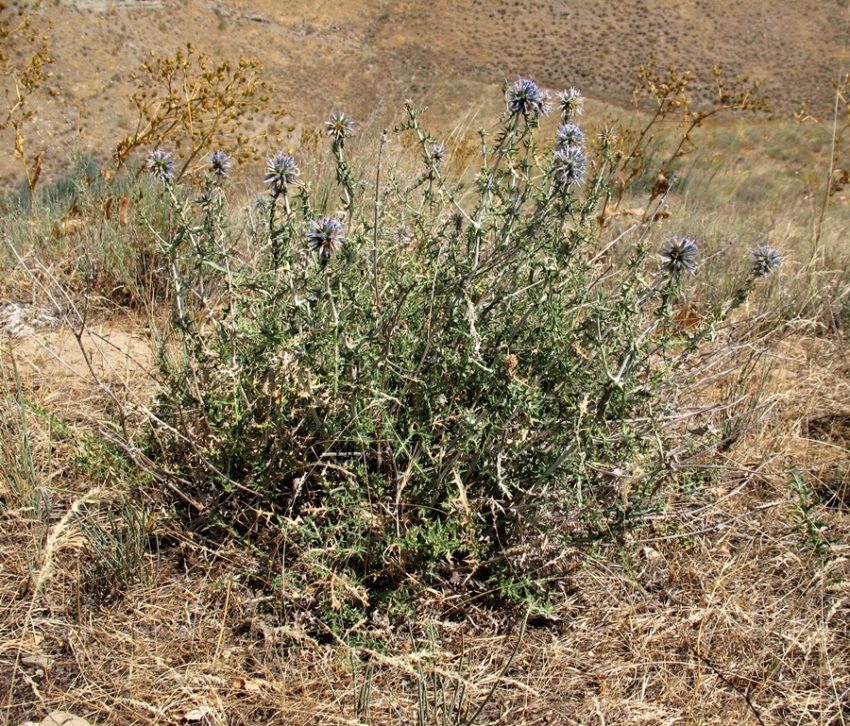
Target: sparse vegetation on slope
[539, 423]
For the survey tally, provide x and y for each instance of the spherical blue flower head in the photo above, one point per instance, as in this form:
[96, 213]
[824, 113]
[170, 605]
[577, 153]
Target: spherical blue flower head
[571, 104]
[678, 256]
[160, 165]
[569, 167]
[325, 236]
[220, 163]
[526, 98]
[339, 127]
[437, 153]
[766, 260]
[281, 171]
[569, 135]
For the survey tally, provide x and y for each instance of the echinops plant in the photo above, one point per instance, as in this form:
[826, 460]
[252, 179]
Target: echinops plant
[420, 384]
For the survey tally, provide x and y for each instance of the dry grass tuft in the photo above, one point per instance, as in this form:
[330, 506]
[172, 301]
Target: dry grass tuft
[736, 626]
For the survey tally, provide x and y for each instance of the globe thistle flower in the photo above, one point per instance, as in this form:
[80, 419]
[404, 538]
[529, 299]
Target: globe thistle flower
[678, 256]
[402, 234]
[262, 204]
[209, 198]
[325, 236]
[526, 98]
[570, 166]
[220, 163]
[571, 104]
[569, 135]
[339, 127]
[281, 171]
[607, 137]
[765, 260]
[455, 221]
[160, 165]
[437, 153]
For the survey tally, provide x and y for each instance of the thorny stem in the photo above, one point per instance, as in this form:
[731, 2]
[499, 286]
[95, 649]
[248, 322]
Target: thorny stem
[377, 215]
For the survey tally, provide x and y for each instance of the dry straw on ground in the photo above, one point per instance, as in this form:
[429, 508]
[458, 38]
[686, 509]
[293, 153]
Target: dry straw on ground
[735, 610]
